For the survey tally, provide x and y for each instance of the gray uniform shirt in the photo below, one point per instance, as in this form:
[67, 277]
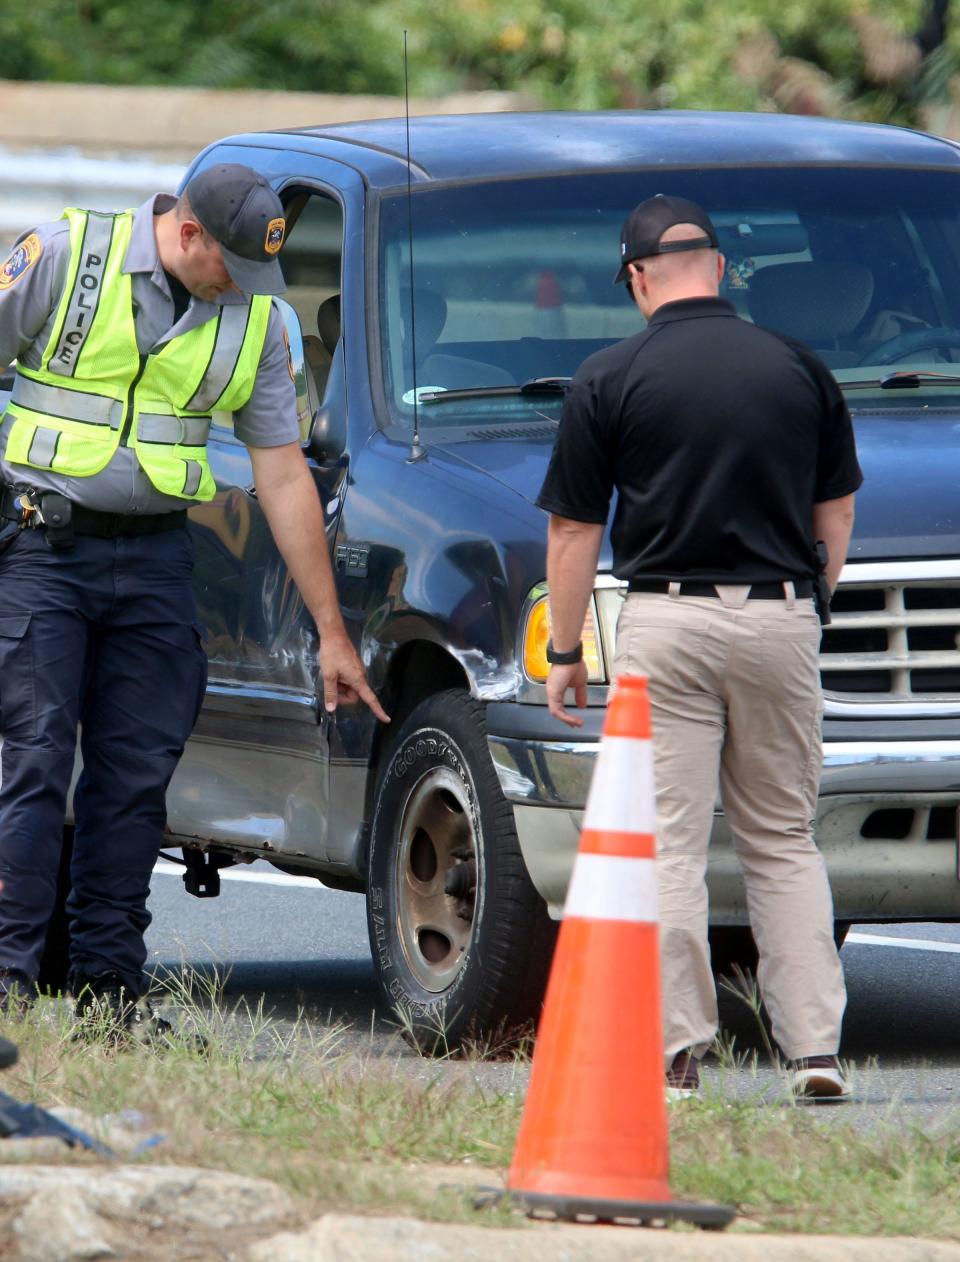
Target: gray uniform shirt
[28, 307]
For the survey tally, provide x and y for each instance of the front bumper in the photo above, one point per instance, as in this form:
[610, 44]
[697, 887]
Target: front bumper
[886, 819]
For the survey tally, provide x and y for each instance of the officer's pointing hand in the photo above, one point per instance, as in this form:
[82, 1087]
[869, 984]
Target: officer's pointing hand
[558, 681]
[344, 678]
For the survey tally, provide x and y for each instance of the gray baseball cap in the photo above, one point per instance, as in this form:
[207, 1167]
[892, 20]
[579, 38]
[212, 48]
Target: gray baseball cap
[243, 214]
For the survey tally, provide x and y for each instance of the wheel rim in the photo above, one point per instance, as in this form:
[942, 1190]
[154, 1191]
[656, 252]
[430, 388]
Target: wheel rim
[437, 861]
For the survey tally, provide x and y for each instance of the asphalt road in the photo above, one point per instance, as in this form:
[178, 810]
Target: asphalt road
[304, 950]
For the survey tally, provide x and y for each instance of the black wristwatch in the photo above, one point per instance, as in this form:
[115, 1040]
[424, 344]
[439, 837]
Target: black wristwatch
[564, 659]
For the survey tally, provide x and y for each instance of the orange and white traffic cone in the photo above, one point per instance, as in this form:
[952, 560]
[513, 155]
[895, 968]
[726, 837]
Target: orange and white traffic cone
[593, 1138]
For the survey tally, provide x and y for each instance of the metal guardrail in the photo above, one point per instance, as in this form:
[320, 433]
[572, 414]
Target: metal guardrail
[38, 184]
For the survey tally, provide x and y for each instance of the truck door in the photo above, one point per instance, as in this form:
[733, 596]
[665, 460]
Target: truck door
[256, 771]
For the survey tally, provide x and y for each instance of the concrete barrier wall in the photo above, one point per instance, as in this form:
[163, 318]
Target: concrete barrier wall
[107, 148]
[179, 121]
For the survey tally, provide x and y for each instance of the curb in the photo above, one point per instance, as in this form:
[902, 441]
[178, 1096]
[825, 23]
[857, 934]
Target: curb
[343, 1238]
[81, 1211]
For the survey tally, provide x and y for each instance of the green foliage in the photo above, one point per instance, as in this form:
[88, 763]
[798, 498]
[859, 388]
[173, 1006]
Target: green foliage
[683, 53]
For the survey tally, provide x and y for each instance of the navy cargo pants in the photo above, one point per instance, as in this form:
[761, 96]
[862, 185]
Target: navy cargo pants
[103, 636]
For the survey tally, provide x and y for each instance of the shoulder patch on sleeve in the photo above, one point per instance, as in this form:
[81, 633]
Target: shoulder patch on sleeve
[21, 260]
[286, 342]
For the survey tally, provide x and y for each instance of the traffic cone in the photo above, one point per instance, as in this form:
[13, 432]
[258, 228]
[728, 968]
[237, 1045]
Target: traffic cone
[593, 1137]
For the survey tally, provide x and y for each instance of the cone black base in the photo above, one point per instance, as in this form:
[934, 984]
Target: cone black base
[638, 1213]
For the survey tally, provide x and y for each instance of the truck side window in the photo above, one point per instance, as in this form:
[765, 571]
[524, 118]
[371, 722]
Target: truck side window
[311, 261]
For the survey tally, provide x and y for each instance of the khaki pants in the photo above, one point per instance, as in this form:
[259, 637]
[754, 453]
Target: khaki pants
[736, 702]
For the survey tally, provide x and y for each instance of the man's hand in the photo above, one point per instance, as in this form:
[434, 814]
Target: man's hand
[572, 551]
[344, 678]
[289, 499]
[558, 681]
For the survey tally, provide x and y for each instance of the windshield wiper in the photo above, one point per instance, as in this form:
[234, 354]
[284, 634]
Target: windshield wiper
[537, 385]
[906, 380]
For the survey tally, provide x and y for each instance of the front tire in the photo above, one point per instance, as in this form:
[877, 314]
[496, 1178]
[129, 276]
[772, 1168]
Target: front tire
[461, 940]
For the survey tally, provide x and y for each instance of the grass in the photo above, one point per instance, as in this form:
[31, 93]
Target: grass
[791, 1169]
[359, 1133]
[341, 1131]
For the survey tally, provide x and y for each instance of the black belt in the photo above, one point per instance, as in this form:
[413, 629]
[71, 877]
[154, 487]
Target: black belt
[87, 521]
[758, 591]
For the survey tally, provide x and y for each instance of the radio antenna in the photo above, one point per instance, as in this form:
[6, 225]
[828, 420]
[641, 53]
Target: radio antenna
[417, 451]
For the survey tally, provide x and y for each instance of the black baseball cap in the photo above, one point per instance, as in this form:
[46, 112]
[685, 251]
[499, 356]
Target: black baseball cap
[243, 214]
[646, 224]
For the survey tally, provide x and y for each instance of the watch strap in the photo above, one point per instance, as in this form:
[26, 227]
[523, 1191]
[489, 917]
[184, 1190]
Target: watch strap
[570, 658]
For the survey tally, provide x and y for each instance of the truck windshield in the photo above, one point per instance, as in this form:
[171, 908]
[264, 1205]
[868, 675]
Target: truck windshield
[513, 278]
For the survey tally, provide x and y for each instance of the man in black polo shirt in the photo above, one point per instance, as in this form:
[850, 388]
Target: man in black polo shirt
[732, 451]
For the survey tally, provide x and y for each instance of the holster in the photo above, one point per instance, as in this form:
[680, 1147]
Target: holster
[31, 509]
[56, 514]
[821, 588]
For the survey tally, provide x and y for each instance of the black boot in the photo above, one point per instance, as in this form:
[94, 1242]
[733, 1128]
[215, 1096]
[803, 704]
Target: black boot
[16, 993]
[107, 1010]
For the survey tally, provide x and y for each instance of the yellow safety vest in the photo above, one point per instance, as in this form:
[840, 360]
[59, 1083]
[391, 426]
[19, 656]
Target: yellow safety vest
[94, 391]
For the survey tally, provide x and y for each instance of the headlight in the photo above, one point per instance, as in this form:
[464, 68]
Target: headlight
[609, 596]
[537, 632]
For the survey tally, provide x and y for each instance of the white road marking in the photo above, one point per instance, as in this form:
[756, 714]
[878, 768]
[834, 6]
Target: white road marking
[905, 944]
[241, 874]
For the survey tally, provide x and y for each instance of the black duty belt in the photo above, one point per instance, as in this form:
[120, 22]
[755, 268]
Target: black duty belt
[758, 591]
[87, 521]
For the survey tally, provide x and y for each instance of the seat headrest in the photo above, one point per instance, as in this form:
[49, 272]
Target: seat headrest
[430, 312]
[328, 322]
[810, 301]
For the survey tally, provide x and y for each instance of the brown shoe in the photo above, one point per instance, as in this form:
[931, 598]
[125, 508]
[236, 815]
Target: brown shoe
[683, 1077]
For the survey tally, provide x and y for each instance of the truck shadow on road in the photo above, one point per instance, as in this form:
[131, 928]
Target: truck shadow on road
[903, 1006]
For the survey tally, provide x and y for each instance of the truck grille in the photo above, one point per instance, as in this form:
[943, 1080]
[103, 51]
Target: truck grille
[894, 640]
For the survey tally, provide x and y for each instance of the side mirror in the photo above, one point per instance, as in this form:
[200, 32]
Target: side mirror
[303, 379]
[328, 438]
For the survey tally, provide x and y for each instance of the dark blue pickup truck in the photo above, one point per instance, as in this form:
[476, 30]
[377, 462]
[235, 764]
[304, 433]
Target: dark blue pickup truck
[435, 308]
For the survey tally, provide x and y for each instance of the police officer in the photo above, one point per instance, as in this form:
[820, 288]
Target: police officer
[732, 451]
[128, 331]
